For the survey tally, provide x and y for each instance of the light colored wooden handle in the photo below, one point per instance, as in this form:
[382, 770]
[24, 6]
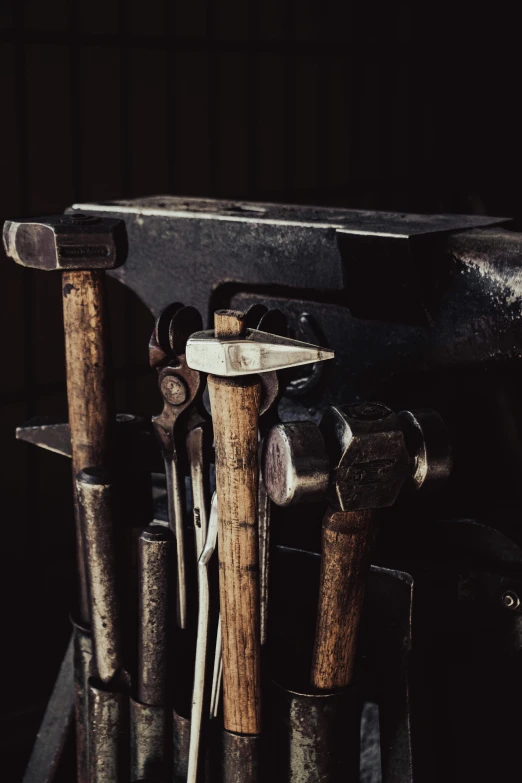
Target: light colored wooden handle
[89, 393]
[235, 412]
[235, 409]
[347, 538]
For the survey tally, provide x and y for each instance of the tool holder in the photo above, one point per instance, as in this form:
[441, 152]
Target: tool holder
[402, 322]
[108, 735]
[314, 736]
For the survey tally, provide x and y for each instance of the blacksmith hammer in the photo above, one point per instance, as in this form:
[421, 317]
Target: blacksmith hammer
[82, 247]
[360, 457]
[234, 357]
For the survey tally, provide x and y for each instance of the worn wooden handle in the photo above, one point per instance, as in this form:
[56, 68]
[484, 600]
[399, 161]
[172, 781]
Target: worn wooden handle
[235, 412]
[346, 543]
[88, 386]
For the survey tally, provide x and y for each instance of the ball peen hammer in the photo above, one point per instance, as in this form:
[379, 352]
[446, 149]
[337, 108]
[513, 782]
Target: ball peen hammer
[360, 457]
[82, 247]
[235, 357]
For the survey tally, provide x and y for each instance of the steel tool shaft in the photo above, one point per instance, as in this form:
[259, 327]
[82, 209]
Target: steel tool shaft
[95, 501]
[155, 545]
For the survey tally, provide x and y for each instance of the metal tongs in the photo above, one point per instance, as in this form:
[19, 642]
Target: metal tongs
[179, 426]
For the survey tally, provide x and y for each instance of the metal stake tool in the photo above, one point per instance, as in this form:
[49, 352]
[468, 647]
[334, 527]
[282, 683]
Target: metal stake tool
[231, 354]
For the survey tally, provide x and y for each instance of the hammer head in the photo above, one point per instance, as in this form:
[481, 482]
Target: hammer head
[252, 353]
[65, 242]
[368, 455]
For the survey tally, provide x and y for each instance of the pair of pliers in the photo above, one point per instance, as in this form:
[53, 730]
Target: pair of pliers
[182, 417]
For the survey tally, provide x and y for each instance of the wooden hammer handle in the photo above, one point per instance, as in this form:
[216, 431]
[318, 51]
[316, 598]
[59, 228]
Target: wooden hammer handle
[347, 538]
[235, 409]
[89, 394]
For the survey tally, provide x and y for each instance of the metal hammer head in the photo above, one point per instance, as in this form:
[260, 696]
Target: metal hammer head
[66, 242]
[361, 456]
[252, 353]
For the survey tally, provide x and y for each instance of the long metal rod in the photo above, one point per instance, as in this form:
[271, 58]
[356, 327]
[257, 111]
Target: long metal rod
[175, 511]
[202, 647]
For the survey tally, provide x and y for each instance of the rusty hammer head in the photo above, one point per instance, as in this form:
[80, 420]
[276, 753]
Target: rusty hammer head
[66, 242]
[360, 456]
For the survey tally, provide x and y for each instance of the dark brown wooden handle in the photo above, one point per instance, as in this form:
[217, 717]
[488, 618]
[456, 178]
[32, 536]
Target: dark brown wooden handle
[88, 386]
[235, 410]
[346, 543]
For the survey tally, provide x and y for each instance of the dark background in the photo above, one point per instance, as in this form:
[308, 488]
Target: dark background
[400, 106]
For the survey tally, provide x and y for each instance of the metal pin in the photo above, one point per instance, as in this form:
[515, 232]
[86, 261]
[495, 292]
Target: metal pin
[94, 497]
[200, 669]
[175, 510]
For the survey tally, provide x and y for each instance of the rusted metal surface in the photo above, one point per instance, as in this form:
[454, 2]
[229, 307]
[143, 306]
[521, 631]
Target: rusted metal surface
[155, 567]
[315, 737]
[241, 758]
[66, 242]
[83, 671]
[181, 742]
[95, 498]
[149, 742]
[108, 733]
[57, 724]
